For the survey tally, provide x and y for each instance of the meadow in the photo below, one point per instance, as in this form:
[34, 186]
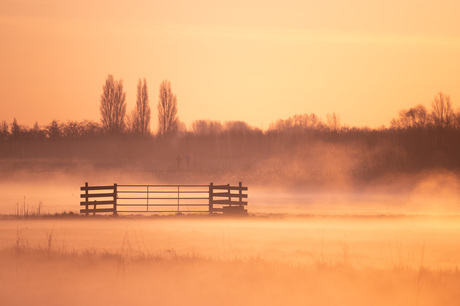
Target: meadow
[262, 259]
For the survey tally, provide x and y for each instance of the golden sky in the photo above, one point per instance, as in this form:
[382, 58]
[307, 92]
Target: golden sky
[251, 60]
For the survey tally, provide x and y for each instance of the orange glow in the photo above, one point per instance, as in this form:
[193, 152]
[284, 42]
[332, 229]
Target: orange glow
[255, 61]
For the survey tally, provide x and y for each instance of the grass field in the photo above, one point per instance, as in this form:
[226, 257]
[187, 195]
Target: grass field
[258, 260]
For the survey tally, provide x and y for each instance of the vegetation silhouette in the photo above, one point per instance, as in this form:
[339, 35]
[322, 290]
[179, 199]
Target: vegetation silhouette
[113, 105]
[168, 122]
[302, 150]
[139, 122]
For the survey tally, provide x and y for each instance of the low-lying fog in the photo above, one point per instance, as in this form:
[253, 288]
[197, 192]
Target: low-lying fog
[185, 260]
[393, 242]
[429, 193]
[361, 241]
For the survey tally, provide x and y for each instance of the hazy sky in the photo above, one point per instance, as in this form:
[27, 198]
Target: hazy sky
[251, 60]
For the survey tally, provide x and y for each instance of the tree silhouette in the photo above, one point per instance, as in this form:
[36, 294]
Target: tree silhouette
[298, 124]
[333, 122]
[113, 105]
[442, 114]
[16, 130]
[54, 130]
[414, 117]
[167, 110]
[206, 127]
[4, 130]
[141, 117]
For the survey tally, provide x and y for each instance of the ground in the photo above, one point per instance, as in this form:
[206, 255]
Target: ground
[257, 260]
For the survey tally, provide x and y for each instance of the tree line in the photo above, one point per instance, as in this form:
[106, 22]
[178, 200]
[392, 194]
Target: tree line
[442, 115]
[304, 148]
[115, 121]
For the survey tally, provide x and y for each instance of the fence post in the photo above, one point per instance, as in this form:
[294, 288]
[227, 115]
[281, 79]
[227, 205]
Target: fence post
[86, 199]
[240, 193]
[229, 197]
[115, 195]
[211, 190]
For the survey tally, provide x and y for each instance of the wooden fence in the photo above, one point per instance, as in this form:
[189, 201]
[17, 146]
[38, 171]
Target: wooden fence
[106, 195]
[229, 198]
[141, 199]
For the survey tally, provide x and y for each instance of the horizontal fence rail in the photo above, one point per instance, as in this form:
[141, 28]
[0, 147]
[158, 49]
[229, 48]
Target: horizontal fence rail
[164, 199]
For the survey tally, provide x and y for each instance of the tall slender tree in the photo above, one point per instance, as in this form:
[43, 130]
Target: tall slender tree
[333, 122]
[4, 130]
[16, 130]
[113, 105]
[168, 122]
[442, 114]
[141, 117]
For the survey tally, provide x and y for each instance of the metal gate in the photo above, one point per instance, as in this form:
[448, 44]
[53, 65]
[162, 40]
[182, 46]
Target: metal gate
[210, 198]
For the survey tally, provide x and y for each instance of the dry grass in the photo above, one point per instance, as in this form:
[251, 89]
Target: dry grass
[51, 268]
[53, 276]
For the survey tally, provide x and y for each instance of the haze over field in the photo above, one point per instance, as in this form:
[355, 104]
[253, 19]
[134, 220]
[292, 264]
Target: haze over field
[341, 117]
[209, 261]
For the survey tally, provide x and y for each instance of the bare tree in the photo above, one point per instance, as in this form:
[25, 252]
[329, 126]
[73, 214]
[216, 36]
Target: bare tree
[237, 128]
[457, 119]
[131, 123]
[206, 127]
[333, 122]
[71, 129]
[90, 128]
[16, 130]
[54, 130]
[141, 116]
[167, 110]
[113, 105]
[298, 124]
[414, 117]
[442, 114]
[4, 130]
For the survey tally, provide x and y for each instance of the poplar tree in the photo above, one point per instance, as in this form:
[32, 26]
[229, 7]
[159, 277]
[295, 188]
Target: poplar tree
[167, 110]
[113, 105]
[141, 118]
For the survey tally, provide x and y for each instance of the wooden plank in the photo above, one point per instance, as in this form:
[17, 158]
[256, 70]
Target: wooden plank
[225, 187]
[96, 188]
[97, 195]
[229, 202]
[227, 194]
[96, 210]
[97, 202]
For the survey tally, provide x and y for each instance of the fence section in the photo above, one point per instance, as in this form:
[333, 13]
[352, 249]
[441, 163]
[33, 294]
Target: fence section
[163, 198]
[227, 199]
[210, 198]
[97, 197]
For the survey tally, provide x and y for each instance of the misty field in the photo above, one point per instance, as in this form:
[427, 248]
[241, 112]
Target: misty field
[212, 260]
[391, 241]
